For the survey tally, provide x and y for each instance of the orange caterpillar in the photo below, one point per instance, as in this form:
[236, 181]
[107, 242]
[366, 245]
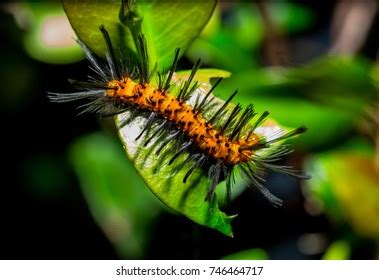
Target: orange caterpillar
[218, 140]
[200, 131]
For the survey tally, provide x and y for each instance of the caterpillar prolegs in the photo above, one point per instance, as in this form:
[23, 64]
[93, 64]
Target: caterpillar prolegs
[219, 138]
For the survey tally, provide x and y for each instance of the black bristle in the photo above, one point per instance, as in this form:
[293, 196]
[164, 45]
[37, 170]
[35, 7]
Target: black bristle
[143, 65]
[160, 81]
[183, 148]
[261, 119]
[292, 133]
[199, 162]
[232, 116]
[255, 180]
[223, 107]
[200, 107]
[97, 68]
[166, 86]
[167, 141]
[184, 93]
[88, 85]
[243, 121]
[147, 125]
[112, 61]
[214, 176]
[228, 184]
[67, 97]
[159, 129]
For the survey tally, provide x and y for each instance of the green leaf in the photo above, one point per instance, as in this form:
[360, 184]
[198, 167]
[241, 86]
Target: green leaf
[171, 24]
[86, 16]
[117, 197]
[251, 254]
[204, 75]
[165, 24]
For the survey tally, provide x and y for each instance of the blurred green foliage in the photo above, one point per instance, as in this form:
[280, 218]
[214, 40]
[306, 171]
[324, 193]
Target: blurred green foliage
[346, 183]
[48, 36]
[116, 195]
[252, 254]
[328, 95]
[14, 95]
[338, 250]
[233, 43]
